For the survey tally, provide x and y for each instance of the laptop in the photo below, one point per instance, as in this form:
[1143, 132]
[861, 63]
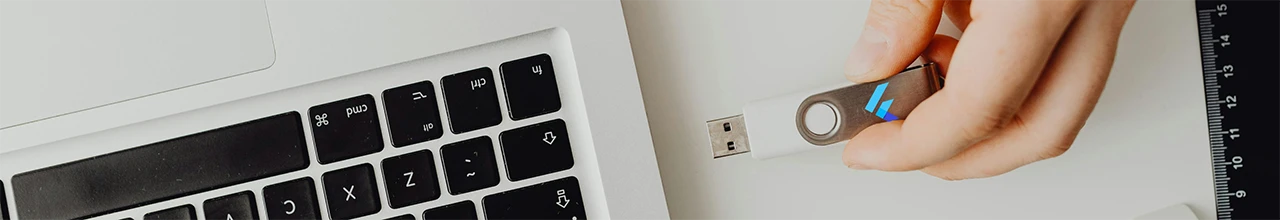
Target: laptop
[279, 109]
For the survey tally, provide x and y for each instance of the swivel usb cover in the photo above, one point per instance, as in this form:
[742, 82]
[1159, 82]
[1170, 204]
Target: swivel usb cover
[820, 117]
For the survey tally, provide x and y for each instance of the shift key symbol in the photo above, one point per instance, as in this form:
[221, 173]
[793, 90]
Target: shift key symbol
[561, 199]
[549, 137]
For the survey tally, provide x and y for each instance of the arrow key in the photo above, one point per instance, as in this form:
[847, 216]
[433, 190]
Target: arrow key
[536, 150]
[557, 199]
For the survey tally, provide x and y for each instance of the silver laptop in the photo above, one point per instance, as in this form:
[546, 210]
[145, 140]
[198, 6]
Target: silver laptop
[280, 109]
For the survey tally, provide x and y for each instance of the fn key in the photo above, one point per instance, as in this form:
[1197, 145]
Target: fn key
[531, 86]
[557, 199]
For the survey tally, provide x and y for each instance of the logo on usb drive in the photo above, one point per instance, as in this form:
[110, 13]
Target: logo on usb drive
[883, 111]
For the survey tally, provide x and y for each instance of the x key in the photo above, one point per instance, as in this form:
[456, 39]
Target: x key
[349, 195]
[350, 192]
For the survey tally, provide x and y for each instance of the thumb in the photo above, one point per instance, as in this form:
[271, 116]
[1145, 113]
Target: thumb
[896, 32]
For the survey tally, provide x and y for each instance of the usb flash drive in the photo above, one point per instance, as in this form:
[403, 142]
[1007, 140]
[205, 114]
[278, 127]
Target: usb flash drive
[820, 117]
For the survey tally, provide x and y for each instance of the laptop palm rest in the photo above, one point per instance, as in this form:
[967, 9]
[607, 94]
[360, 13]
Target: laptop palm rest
[65, 56]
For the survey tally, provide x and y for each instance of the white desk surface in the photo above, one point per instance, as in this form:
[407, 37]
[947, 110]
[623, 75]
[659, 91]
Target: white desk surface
[1144, 148]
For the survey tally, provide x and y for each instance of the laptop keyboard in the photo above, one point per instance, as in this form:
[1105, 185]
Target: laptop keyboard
[341, 130]
[4, 208]
[183, 212]
[294, 199]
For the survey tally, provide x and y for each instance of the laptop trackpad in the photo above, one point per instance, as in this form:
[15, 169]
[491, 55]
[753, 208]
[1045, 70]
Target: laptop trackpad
[65, 56]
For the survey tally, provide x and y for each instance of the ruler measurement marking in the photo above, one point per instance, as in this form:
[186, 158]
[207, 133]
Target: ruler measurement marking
[1217, 154]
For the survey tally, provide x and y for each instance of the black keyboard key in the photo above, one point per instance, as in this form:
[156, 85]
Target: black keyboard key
[185, 212]
[167, 169]
[557, 199]
[471, 100]
[469, 165]
[530, 84]
[460, 210]
[536, 150]
[4, 209]
[295, 199]
[346, 128]
[412, 113]
[351, 192]
[402, 217]
[410, 178]
[239, 206]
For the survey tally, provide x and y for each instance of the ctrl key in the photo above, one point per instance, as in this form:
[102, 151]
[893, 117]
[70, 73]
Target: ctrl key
[556, 199]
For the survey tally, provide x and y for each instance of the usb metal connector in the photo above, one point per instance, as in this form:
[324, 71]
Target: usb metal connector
[728, 136]
[820, 117]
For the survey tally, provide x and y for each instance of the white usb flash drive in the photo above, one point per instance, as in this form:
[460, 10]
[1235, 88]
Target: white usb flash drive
[822, 116]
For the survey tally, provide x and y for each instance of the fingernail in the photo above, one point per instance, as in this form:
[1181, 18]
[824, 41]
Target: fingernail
[870, 47]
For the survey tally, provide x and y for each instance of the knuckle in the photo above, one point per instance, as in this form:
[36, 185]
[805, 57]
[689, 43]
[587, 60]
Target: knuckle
[985, 125]
[988, 123]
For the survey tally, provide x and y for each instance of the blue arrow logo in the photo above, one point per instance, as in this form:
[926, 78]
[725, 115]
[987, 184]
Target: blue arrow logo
[883, 112]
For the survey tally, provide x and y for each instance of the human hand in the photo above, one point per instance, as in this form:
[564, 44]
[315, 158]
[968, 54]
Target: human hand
[1020, 82]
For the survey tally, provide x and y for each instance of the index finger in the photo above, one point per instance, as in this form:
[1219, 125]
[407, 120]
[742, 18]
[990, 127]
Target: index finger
[995, 65]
